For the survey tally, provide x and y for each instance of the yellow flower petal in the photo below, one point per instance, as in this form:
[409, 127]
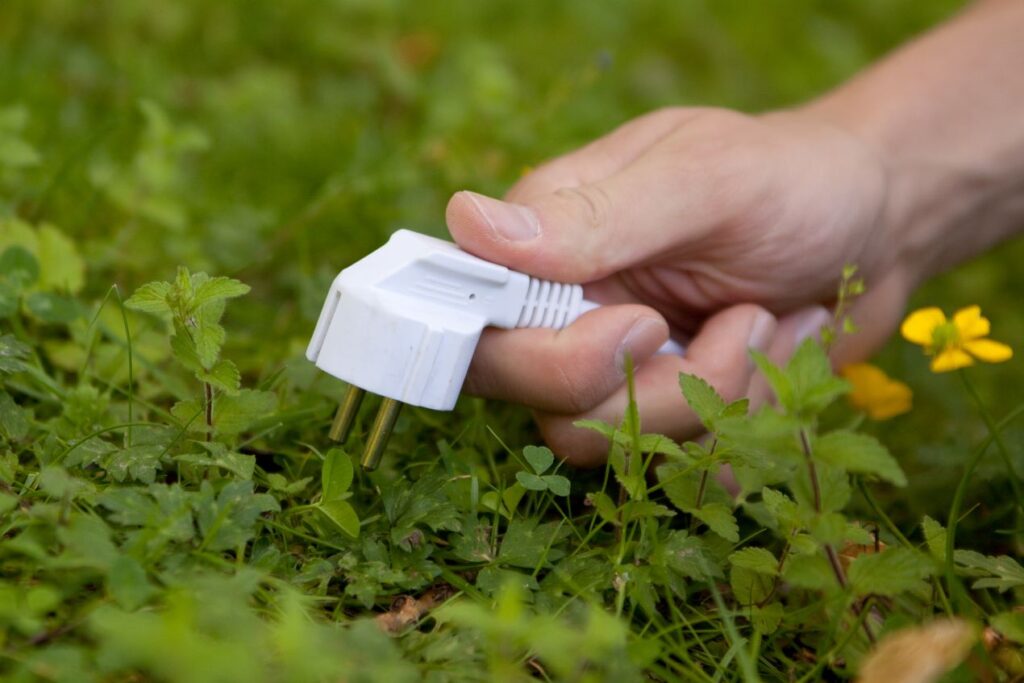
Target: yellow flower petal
[989, 351]
[919, 325]
[970, 323]
[951, 359]
[875, 393]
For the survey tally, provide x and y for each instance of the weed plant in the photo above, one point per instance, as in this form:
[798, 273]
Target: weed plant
[180, 180]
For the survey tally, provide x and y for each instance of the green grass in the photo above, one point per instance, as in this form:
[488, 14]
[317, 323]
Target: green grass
[275, 143]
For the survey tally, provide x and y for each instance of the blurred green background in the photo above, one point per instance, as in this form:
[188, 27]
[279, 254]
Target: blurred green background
[277, 141]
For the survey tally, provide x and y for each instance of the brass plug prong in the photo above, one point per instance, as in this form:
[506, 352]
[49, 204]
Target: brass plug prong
[346, 415]
[380, 432]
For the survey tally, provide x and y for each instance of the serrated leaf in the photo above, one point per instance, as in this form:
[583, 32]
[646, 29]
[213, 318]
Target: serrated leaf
[859, 453]
[702, 398]
[228, 519]
[529, 544]
[934, 537]
[557, 484]
[235, 414]
[224, 376]
[828, 528]
[539, 457]
[342, 514]
[719, 519]
[1002, 572]
[151, 297]
[336, 474]
[810, 571]
[780, 383]
[766, 619]
[755, 559]
[890, 572]
[639, 509]
[606, 509]
[218, 289]
[531, 482]
[750, 587]
[689, 556]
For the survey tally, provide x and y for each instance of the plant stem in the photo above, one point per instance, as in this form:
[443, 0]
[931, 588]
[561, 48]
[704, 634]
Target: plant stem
[702, 487]
[997, 437]
[830, 551]
[208, 390]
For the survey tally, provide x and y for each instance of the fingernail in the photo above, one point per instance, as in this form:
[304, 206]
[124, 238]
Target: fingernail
[808, 323]
[761, 332]
[641, 338]
[513, 222]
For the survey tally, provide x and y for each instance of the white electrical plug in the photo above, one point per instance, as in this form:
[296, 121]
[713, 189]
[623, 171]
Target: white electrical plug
[404, 321]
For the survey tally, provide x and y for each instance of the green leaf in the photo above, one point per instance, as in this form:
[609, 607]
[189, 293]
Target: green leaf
[602, 502]
[52, 308]
[766, 619]
[858, 453]
[780, 383]
[539, 457]
[239, 464]
[531, 482]
[151, 297]
[1010, 624]
[19, 266]
[342, 514]
[828, 528]
[755, 559]
[814, 385]
[1002, 572]
[235, 414]
[128, 585]
[640, 509]
[228, 519]
[12, 354]
[702, 398]
[934, 537]
[750, 587]
[810, 571]
[719, 519]
[218, 289]
[690, 557]
[529, 544]
[336, 474]
[556, 483]
[224, 376]
[890, 572]
[15, 421]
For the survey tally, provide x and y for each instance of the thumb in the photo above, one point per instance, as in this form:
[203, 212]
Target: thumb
[575, 234]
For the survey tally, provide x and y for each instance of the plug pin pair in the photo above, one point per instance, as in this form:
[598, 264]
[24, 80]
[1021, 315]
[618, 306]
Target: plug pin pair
[380, 431]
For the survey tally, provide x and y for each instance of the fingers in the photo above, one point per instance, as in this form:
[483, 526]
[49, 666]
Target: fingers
[569, 370]
[719, 354]
[602, 157]
[668, 195]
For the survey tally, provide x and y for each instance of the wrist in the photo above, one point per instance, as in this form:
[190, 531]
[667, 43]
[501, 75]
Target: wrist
[945, 202]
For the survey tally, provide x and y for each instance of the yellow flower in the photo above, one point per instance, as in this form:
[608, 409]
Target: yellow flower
[954, 343]
[875, 393]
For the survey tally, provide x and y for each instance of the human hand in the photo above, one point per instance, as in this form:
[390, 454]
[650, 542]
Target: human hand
[726, 229]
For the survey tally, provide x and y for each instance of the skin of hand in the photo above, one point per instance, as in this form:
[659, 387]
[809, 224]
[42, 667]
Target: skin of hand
[731, 231]
[706, 224]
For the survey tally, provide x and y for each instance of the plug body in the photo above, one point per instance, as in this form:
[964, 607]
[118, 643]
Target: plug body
[404, 321]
